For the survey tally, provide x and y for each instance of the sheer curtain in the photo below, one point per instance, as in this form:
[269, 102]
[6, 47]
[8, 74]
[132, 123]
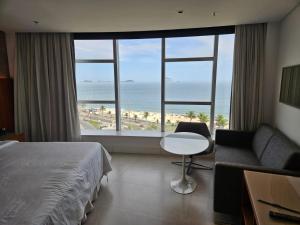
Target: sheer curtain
[45, 90]
[248, 72]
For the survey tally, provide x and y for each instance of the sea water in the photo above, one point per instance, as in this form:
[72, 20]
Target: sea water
[146, 96]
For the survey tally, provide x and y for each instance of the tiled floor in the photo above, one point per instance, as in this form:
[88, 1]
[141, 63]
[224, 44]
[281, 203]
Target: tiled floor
[138, 193]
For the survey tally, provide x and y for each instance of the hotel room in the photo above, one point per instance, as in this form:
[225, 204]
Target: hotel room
[149, 112]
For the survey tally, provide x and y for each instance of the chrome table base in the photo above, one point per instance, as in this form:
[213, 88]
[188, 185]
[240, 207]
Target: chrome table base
[184, 185]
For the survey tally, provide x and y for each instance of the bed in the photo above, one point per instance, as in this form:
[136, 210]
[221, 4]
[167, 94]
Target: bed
[50, 183]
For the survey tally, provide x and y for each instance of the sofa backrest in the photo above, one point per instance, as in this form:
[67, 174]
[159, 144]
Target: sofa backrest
[261, 139]
[281, 153]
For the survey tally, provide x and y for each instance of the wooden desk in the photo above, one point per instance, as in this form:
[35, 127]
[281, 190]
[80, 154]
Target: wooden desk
[13, 136]
[283, 190]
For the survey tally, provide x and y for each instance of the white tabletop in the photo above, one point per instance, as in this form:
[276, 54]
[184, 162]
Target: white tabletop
[183, 143]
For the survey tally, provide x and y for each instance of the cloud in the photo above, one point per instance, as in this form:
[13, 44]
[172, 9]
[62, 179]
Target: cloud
[189, 47]
[226, 45]
[200, 46]
[140, 50]
[149, 50]
[94, 49]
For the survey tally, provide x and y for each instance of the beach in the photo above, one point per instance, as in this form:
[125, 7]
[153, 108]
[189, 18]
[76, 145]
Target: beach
[102, 118]
[140, 104]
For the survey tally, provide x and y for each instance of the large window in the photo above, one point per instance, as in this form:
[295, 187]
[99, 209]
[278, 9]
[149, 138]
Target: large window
[152, 84]
[140, 75]
[96, 79]
[223, 83]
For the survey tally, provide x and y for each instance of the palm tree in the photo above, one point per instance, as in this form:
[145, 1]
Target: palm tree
[102, 109]
[135, 117]
[191, 115]
[203, 118]
[146, 114]
[126, 115]
[129, 114]
[221, 121]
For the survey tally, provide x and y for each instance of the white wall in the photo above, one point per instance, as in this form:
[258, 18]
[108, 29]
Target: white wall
[287, 118]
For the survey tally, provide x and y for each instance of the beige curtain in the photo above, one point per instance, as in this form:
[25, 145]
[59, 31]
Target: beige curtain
[45, 91]
[248, 72]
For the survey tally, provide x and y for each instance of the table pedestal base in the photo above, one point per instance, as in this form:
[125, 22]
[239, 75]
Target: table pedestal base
[184, 185]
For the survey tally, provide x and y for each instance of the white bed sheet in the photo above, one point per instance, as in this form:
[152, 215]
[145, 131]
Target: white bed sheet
[49, 183]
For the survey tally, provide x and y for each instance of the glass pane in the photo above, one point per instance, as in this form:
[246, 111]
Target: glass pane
[184, 47]
[97, 116]
[186, 113]
[140, 75]
[224, 78]
[188, 81]
[95, 81]
[93, 49]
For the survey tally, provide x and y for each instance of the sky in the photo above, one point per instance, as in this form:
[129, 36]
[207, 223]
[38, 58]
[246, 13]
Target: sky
[140, 59]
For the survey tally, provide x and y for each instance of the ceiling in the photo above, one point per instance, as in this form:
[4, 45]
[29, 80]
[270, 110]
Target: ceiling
[136, 15]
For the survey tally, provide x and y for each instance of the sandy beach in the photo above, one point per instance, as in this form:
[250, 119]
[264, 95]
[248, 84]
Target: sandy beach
[104, 119]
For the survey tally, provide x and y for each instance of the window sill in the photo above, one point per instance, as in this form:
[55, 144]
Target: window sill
[112, 133]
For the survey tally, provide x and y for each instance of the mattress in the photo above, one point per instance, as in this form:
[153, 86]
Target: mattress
[49, 183]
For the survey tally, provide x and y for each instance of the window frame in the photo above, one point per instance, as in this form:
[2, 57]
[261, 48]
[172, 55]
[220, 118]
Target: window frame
[116, 101]
[211, 103]
[115, 36]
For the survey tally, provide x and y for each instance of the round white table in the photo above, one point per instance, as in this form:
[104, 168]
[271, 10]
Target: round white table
[184, 143]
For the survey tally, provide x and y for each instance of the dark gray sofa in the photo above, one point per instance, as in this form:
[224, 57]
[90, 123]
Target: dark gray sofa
[266, 150]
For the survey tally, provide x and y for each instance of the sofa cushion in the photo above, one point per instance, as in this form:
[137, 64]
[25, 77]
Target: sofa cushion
[281, 153]
[261, 139]
[235, 155]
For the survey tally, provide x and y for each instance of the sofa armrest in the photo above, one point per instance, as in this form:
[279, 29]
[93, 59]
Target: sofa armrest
[234, 138]
[228, 185]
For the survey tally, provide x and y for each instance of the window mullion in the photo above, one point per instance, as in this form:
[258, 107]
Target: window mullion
[189, 59]
[117, 84]
[96, 101]
[214, 81]
[163, 80]
[187, 103]
[94, 60]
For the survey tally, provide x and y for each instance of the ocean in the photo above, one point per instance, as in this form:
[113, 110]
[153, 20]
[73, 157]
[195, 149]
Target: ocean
[145, 96]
